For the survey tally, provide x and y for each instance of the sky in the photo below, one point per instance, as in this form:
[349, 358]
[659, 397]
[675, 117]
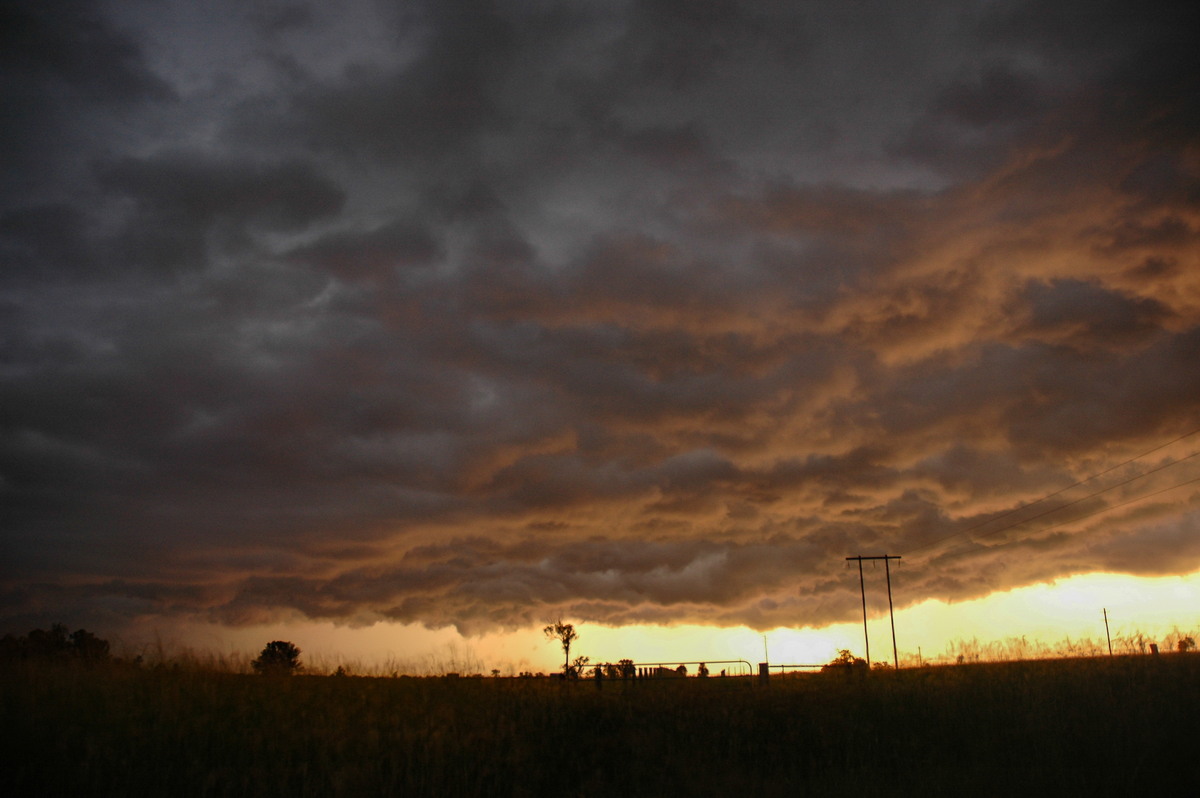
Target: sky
[420, 324]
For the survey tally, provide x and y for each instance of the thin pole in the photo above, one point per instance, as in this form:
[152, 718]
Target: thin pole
[862, 588]
[887, 570]
[1106, 633]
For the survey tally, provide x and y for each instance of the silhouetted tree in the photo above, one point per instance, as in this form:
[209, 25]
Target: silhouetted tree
[1185, 645]
[88, 647]
[565, 634]
[844, 660]
[48, 644]
[278, 658]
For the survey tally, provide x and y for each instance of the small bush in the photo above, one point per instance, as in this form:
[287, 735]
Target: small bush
[278, 658]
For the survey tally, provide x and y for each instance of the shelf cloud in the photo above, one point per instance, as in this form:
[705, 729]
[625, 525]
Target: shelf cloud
[468, 313]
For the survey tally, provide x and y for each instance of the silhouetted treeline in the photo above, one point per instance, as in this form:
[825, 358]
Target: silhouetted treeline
[55, 645]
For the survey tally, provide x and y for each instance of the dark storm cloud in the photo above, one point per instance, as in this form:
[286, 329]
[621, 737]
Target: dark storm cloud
[184, 188]
[467, 314]
[1088, 313]
[374, 255]
[68, 78]
[45, 239]
[186, 204]
[427, 107]
[73, 47]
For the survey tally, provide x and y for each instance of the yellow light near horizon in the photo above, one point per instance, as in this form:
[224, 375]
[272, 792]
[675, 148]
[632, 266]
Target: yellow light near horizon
[691, 643]
[1046, 613]
[1049, 612]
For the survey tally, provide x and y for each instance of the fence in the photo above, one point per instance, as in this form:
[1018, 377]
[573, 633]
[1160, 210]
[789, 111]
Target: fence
[675, 670]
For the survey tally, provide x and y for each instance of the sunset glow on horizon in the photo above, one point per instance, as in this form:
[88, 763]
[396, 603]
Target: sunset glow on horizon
[1045, 616]
[398, 329]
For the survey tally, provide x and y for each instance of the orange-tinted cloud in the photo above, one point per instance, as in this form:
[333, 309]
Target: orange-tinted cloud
[511, 313]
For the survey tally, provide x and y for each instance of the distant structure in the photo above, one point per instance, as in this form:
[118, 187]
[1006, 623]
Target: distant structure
[887, 558]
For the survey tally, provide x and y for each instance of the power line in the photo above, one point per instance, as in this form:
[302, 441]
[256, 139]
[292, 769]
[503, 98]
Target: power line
[963, 532]
[1089, 496]
[1110, 507]
[1134, 500]
[1075, 485]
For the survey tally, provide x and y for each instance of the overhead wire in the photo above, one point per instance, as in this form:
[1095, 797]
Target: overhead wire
[1134, 500]
[1083, 481]
[1089, 496]
[963, 532]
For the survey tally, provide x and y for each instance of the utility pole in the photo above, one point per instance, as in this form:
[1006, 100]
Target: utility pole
[862, 588]
[891, 616]
[1106, 633]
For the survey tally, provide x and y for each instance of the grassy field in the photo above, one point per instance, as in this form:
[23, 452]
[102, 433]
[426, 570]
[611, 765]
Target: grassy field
[1071, 727]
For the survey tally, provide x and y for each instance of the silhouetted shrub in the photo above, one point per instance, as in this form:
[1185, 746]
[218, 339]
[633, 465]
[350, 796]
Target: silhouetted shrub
[278, 658]
[844, 662]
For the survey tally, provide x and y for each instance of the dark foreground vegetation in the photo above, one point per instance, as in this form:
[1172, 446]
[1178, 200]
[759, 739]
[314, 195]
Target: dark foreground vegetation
[1115, 726]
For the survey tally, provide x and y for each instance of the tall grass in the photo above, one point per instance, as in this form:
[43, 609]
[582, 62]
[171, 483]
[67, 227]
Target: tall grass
[1098, 726]
[1021, 648]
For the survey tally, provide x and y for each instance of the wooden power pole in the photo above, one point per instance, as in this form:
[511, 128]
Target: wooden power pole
[1107, 634]
[887, 558]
